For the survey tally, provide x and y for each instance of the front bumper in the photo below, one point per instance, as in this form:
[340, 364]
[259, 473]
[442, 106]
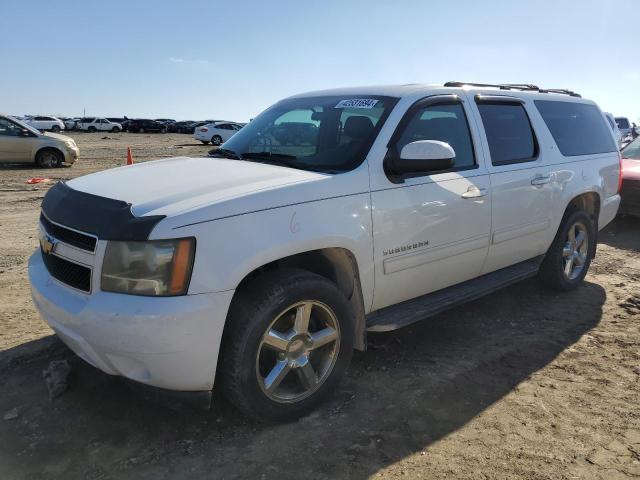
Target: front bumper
[165, 342]
[630, 198]
[71, 155]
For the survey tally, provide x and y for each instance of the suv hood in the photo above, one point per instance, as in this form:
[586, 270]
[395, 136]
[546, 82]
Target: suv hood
[175, 186]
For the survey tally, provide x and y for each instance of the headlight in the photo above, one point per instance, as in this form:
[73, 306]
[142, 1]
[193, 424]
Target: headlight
[157, 267]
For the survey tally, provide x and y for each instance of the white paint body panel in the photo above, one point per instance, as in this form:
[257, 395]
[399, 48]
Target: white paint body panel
[408, 239]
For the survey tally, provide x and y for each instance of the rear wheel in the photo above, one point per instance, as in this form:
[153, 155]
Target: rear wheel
[49, 158]
[568, 259]
[288, 342]
[216, 140]
[141, 130]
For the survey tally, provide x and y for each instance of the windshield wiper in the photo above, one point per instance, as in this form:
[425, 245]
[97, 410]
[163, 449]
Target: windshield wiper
[225, 153]
[270, 157]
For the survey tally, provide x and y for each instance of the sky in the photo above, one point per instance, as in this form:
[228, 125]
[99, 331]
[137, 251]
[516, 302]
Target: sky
[192, 60]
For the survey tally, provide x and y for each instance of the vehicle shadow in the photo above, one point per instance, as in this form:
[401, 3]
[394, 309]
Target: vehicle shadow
[410, 388]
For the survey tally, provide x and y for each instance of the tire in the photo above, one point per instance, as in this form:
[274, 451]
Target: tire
[216, 140]
[55, 128]
[164, 130]
[49, 158]
[141, 130]
[91, 129]
[115, 130]
[204, 142]
[302, 374]
[568, 259]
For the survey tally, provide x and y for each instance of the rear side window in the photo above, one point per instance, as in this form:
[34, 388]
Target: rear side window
[509, 133]
[577, 128]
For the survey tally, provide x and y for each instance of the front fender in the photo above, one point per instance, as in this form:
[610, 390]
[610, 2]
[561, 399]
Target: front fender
[229, 249]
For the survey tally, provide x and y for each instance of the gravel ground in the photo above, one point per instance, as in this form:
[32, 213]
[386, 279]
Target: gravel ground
[524, 383]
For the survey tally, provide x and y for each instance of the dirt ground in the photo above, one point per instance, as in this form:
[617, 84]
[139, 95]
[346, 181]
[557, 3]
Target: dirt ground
[524, 383]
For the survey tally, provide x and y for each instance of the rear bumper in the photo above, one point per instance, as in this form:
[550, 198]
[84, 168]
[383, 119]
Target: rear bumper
[166, 342]
[608, 211]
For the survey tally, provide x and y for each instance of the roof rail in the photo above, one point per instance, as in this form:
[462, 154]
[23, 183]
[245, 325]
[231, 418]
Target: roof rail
[514, 86]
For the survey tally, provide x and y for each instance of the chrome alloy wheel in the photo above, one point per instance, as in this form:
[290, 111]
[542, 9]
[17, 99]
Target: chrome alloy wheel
[575, 251]
[298, 352]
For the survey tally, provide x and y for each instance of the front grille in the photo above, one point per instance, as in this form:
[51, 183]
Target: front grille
[74, 275]
[71, 237]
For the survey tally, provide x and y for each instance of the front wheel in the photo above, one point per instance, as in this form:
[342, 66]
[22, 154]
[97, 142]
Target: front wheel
[115, 130]
[49, 158]
[55, 128]
[568, 259]
[288, 341]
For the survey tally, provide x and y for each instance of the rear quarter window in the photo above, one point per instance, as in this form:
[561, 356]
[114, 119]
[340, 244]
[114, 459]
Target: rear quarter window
[577, 128]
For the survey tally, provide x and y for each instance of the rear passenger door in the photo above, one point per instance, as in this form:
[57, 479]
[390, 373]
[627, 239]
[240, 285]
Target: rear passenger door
[430, 231]
[521, 183]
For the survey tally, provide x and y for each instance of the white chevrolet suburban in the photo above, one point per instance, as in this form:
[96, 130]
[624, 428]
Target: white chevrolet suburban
[264, 268]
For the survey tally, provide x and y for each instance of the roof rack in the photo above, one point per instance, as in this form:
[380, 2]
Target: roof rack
[515, 86]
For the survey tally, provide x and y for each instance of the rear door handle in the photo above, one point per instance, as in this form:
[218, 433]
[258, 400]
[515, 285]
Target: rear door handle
[539, 180]
[475, 192]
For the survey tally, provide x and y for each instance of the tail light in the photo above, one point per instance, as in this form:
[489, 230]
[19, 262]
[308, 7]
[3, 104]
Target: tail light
[204, 129]
[620, 174]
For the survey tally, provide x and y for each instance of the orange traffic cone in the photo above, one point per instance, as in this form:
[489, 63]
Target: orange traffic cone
[129, 156]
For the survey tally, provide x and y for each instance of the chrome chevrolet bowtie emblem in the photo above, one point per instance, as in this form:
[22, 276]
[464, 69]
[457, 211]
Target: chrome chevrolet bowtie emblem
[48, 243]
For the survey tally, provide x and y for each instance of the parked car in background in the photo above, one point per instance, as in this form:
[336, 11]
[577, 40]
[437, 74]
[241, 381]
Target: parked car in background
[217, 132]
[624, 125]
[122, 121]
[97, 124]
[614, 128]
[21, 143]
[143, 125]
[262, 269]
[184, 126]
[630, 191]
[46, 123]
[166, 121]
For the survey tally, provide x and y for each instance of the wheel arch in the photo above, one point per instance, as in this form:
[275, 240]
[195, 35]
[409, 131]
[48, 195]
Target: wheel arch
[589, 202]
[337, 264]
[47, 147]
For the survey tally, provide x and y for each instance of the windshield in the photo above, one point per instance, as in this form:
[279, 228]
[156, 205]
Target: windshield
[632, 150]
[26, 126]
[330, 133]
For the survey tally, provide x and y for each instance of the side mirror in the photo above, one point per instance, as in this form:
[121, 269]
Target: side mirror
[424, 156]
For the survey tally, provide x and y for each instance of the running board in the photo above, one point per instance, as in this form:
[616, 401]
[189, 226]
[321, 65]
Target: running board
[420, 308]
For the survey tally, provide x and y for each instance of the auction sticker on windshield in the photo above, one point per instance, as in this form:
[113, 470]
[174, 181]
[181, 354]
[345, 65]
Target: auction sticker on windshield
[357, 103]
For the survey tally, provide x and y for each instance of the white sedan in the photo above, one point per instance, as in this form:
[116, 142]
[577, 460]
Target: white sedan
[46, 123]
[216, 132]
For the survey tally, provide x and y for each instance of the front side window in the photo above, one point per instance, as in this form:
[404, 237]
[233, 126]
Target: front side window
[577, 128]
[509, 133]
[445, 122]
[9, 129]
[328, 133]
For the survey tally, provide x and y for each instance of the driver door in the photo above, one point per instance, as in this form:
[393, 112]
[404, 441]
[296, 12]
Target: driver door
[431, 231]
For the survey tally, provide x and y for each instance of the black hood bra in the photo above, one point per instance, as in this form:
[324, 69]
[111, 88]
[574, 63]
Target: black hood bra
[106, 218]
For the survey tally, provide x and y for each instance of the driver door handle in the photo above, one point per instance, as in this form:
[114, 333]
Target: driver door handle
[475, 192]
[540, 180]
